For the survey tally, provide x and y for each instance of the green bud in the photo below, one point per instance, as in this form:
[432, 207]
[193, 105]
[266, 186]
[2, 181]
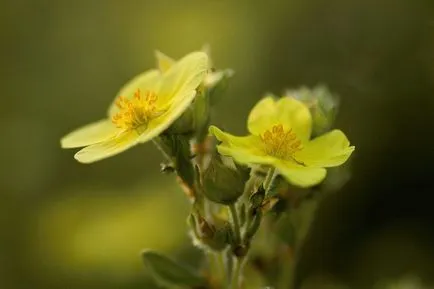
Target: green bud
[222, 184]
[201, 116]
[257, 197]
[213, 237]
[178, 148]
[208, 235]
[322, 104]
[220, 240]
[184, 124]
[244, 170]
[216, 83]
[206, 230]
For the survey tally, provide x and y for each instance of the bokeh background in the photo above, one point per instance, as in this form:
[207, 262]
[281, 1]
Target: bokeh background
[68, 225]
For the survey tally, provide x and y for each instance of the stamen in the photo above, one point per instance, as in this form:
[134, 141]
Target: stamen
[279, 143]
[136, 112]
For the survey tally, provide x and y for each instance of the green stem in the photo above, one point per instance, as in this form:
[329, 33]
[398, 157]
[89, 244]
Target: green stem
[271, 175]
[221, 268]
[236, 273]
[236, 223]
[237, 262]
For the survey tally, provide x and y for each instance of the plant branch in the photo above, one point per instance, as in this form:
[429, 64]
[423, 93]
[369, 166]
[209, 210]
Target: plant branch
[235, 223]
[236, 273]
[271, 175]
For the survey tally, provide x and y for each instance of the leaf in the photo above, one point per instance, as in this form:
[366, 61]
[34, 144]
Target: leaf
[169, 273]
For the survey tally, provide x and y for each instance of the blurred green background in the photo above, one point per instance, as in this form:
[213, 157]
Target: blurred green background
[68, 225]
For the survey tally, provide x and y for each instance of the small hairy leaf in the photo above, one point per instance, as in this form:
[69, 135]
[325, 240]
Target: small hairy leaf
[169, 273]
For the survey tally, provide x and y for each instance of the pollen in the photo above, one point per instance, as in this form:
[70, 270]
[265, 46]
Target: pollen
[280, 143]
[135, 113]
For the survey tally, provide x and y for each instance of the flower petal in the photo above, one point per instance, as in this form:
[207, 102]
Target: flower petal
[329, 150]
[263, 116]
[146, 81]
[295, 115]
[245, 156]
[107, 148]
[245, 150]
[299, 175]
[183, 77]
[90, 134]
[164, 62]
[161, 123]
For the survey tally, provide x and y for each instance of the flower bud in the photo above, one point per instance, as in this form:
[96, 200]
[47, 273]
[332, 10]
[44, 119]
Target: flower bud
[220, 239]
[322, 104]
[184, 124]
[222, 184]
[216, 83]
[257, 197]
[177, 147]
[201, 115]
[206, 230]
[208, 235]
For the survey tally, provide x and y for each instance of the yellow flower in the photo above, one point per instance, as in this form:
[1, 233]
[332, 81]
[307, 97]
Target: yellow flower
[144, 108]
[280, 137]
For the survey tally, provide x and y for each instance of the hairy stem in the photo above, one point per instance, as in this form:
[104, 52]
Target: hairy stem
[237, 262]
[236, 273]
[271, 175]
[221, 268]
[235, 223]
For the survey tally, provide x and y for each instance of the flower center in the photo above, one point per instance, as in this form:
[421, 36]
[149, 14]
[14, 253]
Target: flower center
[136, 113]
[279, 143]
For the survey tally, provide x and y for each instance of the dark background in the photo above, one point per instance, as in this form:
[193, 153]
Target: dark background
[67, 225]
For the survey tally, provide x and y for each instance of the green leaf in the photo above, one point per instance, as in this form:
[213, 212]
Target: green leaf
[169, 273]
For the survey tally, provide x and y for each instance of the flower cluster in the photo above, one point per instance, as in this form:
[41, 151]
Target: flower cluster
[234, 182]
